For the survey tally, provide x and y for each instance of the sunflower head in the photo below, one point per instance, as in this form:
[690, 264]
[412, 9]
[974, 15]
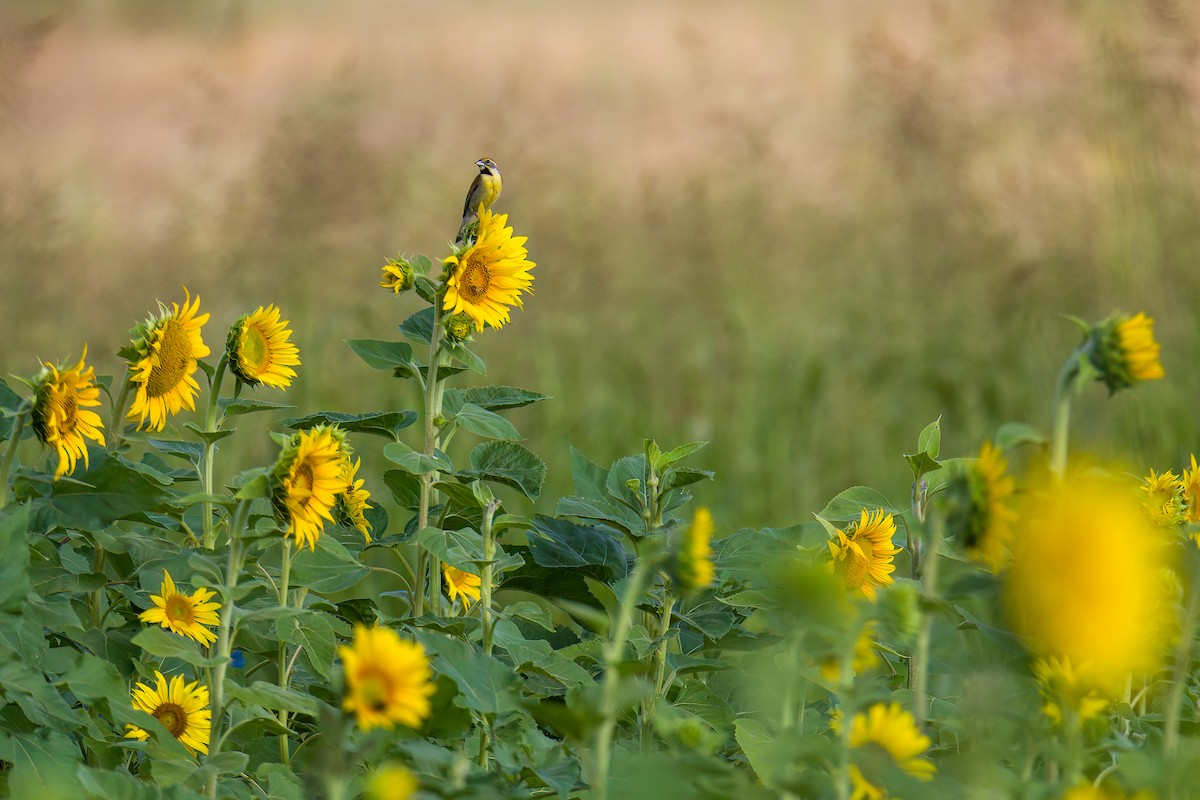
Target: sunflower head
[1068, 691]
[185, 615]
[260, 351]
[352, 503]
[388, 680]
[1084, 582]
[863, 658]
[1163, 498]
[392, 782]
[1123, 351]
[459, 327]
[307, 481]
[63, 397]
[691, 560]
[162, 359]
[862, 555]
[891, 728]
[978, 507]
[486, 277]
[1191, 492]
[461, 584]
[181, 707]
[398, 275]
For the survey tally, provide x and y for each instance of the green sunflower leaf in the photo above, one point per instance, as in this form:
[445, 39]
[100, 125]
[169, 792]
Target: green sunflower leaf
[328, 568]
[416, 463]
[233, 406]
[384, 355]
[14, 567]
[161, 643]
[492, 398]
[418, 328]
[487, 685]
[510, 464]
[387, 424]
[486, 423]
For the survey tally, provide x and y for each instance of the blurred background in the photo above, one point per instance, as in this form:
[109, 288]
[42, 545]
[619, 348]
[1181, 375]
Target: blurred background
[799, 230]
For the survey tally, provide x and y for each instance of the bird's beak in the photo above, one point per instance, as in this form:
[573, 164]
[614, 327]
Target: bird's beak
[480, 164]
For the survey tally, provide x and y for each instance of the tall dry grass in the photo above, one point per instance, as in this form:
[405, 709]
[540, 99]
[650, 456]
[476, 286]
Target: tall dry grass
[800, 231]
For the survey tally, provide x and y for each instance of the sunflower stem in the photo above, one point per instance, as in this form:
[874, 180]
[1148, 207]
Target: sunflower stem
[118, 419]
[1183, 659]
[485, 589]
[212, 423]
[660, 668]
[233, 568]
[920, 659]
[433, 410]
[284, 670]
[614, 649]
[10, 452]
[1062, 416]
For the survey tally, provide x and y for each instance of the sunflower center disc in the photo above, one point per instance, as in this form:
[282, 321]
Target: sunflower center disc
[854, 568]
[174, 353]
[172, 717]
[373, 693]
[70, 406]
[475, 279]
[180, 610]
[254, 353]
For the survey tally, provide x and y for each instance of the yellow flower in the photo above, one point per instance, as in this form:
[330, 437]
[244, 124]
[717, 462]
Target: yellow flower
[980, 507]
[184, 615]
[863, 553]
[1067, 690]
[893, 729]
[1123, 350]
[692, 566]
[489, 275]
[461, 584]
[459, 327]
[181, 708]
[397, 276]
[1084, 580]
[863, 659]
[163, 360]
[60, 412]
[309, 477]
[1164, 498]
[392, 782]
[260, 351]
[353, 505]
[387, 680]
[1191, 491]
[1088, 791]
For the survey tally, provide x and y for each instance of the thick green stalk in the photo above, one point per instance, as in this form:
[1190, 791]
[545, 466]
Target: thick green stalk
[614, 649]
[233, 569]
[488, 576]
[433, 409]
[1183, 660]
[1062, 416]
[117, 433]
[920, 659]
[660, 668]
[10, 452]
[212, 424]
[284, 579]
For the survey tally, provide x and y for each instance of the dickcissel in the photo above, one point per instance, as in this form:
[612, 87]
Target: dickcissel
[483, 192]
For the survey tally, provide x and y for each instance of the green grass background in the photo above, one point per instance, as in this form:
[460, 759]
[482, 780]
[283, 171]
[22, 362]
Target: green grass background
[799, 231]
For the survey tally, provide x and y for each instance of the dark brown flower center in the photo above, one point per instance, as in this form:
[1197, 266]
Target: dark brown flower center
[475, 278]
[174, 353]
[179, 609]
[173, 718]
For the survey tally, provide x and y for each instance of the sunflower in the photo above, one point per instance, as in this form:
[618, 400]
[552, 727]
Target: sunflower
[1191, 491]
[863, 553]
[1164, 500]
[352, 502]
[60, 412]
[1067, 690]
[180, 707]
[890, 727]
[184, 615]
[162, 360]
[397, 275]
[308, 478]
[460, 583]
[692, 565]
[391, 782]
[489, 275]
[259, 350]
[1084, 582]
[979, 507]
[1123, 350]
[863, 659]
[388, 680]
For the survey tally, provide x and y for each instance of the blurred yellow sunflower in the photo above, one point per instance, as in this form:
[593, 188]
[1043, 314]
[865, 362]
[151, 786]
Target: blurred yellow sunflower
[181, 707]
[1164, 500]
[1067, 690]
[1084, 582]
[182, 614]
[260, 350]
[692, 566]
[388, 680]
[352, 502]
[890, 727]
[461, 584]
[1123, 350]
[392, 782]
[1191, 491]
[863, 659]
[308, 478]
[60, 412]
[488, 276]
[164, 355]
[862, 554]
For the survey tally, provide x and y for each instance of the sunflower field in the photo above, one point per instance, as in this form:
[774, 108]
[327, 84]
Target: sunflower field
[284, 635]
[686, 468]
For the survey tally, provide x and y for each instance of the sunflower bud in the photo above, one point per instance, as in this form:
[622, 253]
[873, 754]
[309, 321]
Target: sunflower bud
[459, 327]
[397, 275]
[1123, 350]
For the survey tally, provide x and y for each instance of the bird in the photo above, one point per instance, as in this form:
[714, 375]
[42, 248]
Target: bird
[483, 192]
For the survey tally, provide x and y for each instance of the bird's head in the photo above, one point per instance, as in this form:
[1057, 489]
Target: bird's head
[486, 165]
